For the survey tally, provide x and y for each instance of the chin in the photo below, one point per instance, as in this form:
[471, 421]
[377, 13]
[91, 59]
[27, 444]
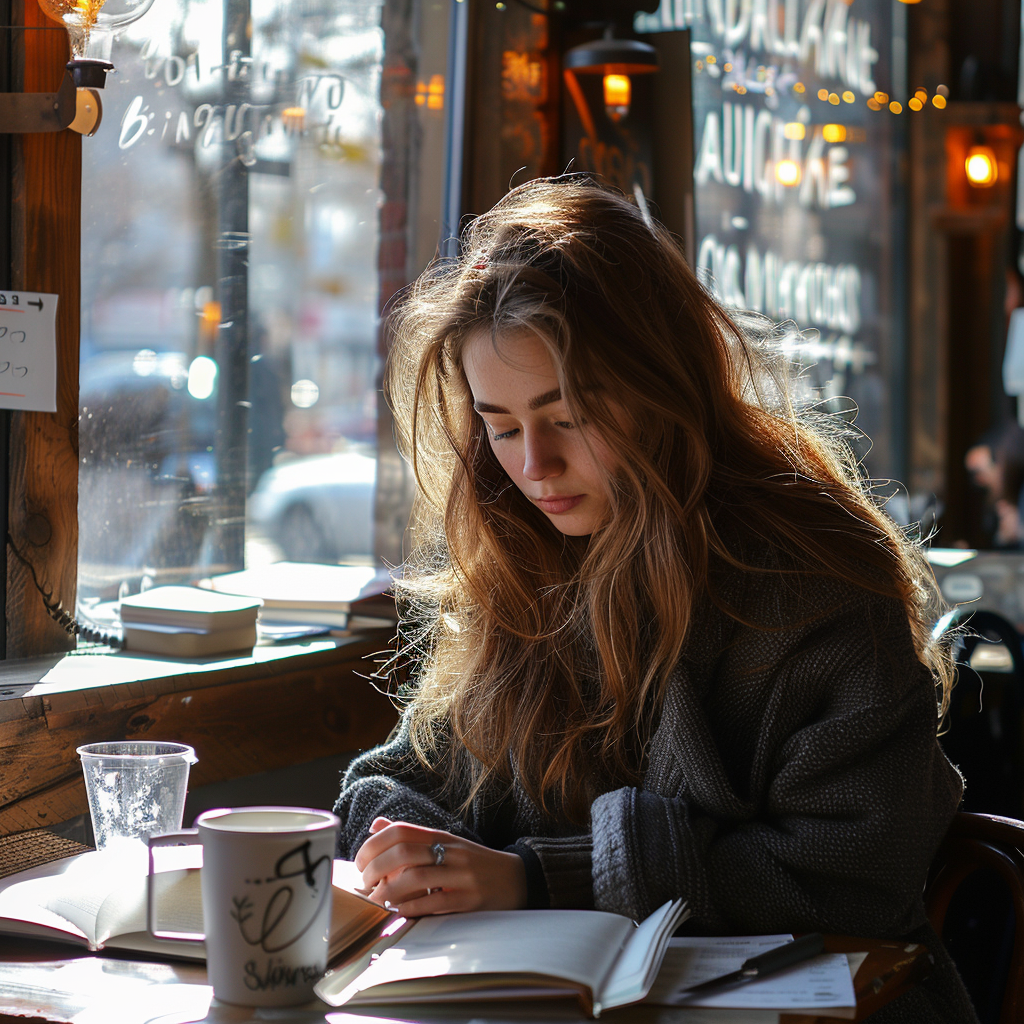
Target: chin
[570, 527]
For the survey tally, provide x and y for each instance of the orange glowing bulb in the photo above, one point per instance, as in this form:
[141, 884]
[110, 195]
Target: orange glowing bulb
[981, 167]
[617, 94]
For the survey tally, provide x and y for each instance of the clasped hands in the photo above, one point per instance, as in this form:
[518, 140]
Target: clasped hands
[400, 869]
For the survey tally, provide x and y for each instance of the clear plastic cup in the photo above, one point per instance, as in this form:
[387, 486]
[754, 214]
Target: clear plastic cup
[136, 788]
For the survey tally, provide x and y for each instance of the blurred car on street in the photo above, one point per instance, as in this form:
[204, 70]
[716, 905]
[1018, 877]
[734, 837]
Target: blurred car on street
[317, 508]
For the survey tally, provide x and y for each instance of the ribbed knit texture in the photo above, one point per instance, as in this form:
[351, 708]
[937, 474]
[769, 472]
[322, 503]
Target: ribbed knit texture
[794, 782]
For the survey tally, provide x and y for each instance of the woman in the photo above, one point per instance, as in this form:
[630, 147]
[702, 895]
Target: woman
[665, 643]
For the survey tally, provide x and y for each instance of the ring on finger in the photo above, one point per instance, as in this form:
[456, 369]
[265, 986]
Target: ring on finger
[438, 851]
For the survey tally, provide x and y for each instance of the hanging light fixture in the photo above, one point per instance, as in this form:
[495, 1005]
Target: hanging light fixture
[614, 59]
[981, 167]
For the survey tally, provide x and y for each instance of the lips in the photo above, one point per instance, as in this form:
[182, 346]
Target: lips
[558, 505]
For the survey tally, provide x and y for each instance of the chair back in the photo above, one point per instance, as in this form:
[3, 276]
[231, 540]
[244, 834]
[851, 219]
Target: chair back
[983, 726]
[976, 847]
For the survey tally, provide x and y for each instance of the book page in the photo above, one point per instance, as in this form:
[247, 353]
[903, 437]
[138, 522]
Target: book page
[78, 892]
[576, 945]
[22, 912]
[634, 971]
[178, 905]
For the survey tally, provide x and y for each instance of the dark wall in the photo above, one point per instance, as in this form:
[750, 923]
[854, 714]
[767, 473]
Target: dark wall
[984, 42]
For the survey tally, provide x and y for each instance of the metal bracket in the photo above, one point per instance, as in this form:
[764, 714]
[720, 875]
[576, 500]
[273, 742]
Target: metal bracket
[22, 112]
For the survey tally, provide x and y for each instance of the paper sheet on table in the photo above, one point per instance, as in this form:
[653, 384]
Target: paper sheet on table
[822, 982]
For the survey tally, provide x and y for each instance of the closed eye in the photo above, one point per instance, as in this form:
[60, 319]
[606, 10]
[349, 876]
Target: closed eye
[506, 434]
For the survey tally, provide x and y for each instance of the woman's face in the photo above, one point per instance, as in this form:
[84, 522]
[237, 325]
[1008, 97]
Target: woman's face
[560, 465]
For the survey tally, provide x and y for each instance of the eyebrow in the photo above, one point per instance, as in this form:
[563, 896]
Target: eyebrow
[555, 395]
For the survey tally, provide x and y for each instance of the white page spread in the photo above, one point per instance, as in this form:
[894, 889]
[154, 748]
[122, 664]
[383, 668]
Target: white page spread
[576, 945]
[823, 982]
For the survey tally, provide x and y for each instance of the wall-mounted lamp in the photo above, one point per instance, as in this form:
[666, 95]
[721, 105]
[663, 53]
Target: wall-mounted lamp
[981, 167]
[616, 60]
[91, 26]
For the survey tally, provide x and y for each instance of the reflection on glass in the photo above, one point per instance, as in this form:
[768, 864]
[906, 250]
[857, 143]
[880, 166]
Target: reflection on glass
[230, 292]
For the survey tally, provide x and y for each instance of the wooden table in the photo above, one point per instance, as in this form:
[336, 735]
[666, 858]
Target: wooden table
[54, 983]
[284, 705]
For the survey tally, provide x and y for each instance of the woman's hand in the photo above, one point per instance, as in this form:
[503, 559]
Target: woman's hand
[400, 868]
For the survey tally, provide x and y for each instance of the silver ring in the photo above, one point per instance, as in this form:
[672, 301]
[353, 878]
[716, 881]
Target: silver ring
[438, 851]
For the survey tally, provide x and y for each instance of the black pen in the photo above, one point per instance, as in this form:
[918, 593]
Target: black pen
[762, 965]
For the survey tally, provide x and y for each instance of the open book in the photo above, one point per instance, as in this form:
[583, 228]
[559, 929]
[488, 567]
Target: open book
[98, 899]
[602, 960]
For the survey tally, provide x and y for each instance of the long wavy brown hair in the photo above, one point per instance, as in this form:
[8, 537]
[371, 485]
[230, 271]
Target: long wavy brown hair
[543, 658]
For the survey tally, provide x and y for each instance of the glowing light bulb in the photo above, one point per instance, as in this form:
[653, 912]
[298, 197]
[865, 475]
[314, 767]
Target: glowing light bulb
[92, 24]
[617, 94]
[202, 377]
[788, 172]
[981, 167]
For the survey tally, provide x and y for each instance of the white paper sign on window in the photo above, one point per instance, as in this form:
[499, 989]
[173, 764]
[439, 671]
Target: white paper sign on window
[28, 351]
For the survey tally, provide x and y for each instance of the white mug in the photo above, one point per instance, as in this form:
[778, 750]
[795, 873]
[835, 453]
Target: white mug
[266, 884]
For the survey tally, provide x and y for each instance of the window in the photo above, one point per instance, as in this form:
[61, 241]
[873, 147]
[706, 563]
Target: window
[242, 217]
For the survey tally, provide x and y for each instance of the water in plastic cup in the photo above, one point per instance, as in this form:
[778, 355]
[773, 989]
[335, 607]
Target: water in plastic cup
[136, 788]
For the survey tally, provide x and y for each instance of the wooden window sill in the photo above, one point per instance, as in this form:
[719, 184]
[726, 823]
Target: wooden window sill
[286, 704]
[80, 671]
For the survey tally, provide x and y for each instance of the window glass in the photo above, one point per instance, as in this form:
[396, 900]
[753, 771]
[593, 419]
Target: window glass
[230, 290]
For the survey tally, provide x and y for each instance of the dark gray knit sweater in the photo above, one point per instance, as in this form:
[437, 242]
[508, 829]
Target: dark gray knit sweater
[793, 782]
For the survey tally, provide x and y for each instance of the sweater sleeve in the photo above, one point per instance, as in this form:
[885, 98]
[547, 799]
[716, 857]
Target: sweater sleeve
[390, 782]
[832, 820]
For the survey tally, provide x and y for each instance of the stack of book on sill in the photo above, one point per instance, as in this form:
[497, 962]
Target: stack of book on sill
[300, 595]
[188, 622]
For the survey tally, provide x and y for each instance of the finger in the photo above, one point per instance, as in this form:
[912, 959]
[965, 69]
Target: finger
[395, 860]
[378, 840]
[440, 901]
[397, 889]
[397, 832]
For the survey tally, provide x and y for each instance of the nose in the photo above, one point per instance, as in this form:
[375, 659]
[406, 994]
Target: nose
[541, 456]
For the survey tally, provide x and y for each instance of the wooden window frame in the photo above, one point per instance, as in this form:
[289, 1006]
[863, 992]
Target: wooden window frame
[42, 451]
